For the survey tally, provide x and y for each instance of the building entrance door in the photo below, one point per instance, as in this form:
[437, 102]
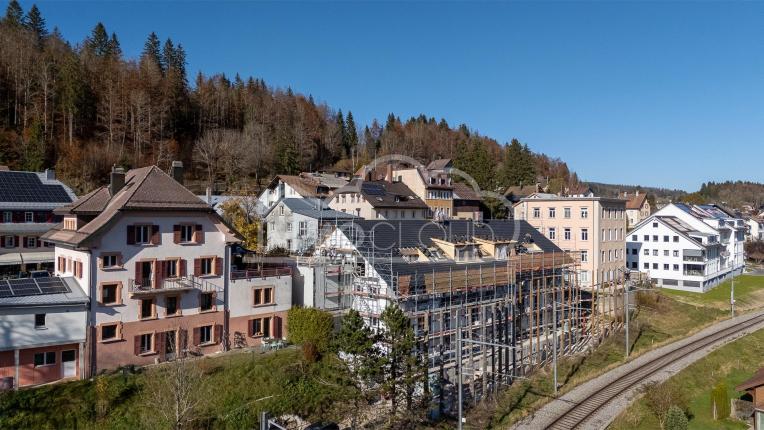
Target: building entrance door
[69, 363]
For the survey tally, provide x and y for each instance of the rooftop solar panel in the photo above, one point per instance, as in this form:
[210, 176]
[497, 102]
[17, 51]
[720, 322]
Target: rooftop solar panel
[373, 189]
[27, 187]
[32, 287]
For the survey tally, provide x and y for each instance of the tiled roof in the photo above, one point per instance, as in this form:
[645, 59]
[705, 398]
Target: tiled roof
[383, 194]
[315, 209]
[440, 164]
[146, 188]
[464, 192]
[636, 201]
[757, 380]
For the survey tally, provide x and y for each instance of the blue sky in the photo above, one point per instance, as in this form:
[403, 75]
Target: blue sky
[653, 93]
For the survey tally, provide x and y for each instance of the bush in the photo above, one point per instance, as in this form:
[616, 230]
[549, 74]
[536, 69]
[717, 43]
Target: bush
[277, 251]
[661, 398]
[310, 325]
[720, 401]
[676, 419]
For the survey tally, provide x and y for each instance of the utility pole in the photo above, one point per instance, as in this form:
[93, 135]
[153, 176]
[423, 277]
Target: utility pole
[554, 347]
[732, 296]
[626, 313]
[459, 366]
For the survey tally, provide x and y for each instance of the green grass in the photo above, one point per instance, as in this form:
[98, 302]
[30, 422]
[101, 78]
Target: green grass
[749, 293]
[660, 319]
[733, 363]
[312, 390]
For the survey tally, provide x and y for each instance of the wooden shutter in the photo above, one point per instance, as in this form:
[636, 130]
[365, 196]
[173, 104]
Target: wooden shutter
[251, 328]
[218, 265]
[100, 262]
[197, 266]
[160, 273]
[138, 272]
[197, 336]
[277, 327]
[182, 268]
[218, 333]
[176, 233]
[182, 338]
[137, 344]
[16, 240]
[156, 238]
[159, 343]
[198, 234]
[131, 235]
[2, 241]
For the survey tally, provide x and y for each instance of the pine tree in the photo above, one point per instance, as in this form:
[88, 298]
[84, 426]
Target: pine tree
[35, 23]
[168, 53]
[152, 52]
[14, 14]
[98, 41]
[115, 50]
[351, 134]
[342, 132]
[402, 370]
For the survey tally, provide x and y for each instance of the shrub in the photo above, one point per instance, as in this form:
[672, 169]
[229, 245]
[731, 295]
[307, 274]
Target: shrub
[310, 325]
[661, 397]
[720, 401]
[676, 419]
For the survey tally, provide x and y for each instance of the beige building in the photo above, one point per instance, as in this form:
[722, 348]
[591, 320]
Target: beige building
[593, 226]
[432, 184]
[378, 200]
[637, 208]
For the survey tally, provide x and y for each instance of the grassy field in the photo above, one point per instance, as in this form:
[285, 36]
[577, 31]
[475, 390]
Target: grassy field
[240, 386]
[749, 294]
[732, 363]
[661, 318]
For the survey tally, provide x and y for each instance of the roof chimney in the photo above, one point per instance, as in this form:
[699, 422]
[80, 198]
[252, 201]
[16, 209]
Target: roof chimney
[389, 174]
[176, 171]
[117, 180]
[50, 174]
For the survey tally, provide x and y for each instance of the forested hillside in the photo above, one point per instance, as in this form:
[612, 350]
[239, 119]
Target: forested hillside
[734, 194]
[82, 107]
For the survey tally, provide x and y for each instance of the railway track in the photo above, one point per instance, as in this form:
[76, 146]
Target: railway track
[580, 412]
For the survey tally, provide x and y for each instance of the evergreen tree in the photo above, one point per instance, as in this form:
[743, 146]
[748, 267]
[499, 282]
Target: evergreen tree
[676, 419]
[518, 166]
[351, 135]
[115, 50]
[98, 41]
[168, 54]
[342, 132]
[401, 367]
[14, 14]
[35, 23]
[152, 52]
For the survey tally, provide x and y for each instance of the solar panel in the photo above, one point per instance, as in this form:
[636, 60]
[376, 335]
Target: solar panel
[373, 189]
[27, 187]
[32, 287]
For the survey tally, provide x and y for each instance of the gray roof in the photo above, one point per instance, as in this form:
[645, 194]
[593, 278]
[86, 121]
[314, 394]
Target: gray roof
[383, 194]
[75, 296]
[314, 209]
[33, 190]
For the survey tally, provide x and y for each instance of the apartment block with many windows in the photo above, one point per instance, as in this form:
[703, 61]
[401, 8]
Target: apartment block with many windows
[594, 227]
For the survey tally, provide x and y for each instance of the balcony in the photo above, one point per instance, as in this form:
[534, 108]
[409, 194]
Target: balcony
[694, 259]
[264, 272]
[693, 273]
[185, 283]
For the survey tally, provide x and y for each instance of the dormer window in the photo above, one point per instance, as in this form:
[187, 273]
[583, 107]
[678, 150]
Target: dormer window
[70, 223]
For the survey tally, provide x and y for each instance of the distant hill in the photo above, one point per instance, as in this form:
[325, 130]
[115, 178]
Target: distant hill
[660, 195]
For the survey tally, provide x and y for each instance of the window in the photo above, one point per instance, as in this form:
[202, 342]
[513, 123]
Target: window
[171, 305]
[584, 212]
[665, 252]
[634, 238]
[655, 252]
[109, 261]
[584, 276]
[303, 231]
[205, 266]
[676, 238]
[676, 267]
[261, 327]
[109, 332]
[28, 216]
[7, 216]
[655, 225]
[9, 242]
[281, 208]
[584, 234]
[665, 238]
[552, 233]
[147, 308]
[647, 251]
[655, 238]
[566, 233]
[584, 256]
[109, 294]
[566, 212]
[263, 296]
[289, 244]
[655, 266]
[602, 256]
[171, 269]
[536, 212]
[289, 226]
[146, 344]
[665, 267]
[186, 233]
[205, 301]
[676, 253]
[205, 334]
[142, 234]
[634, 265]
[603, 235]
[44, 358]
[647, 238]
[39, 321]
[610, 255]
[633, 251]
[647, 265]
[552, 212]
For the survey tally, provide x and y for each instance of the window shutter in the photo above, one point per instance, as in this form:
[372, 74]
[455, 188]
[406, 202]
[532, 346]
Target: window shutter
[197, 336]
[198, 234]
[17, 241]
[138, 272]
[160, 273]
[251, 328]
[197, 266]
[218, 333]
[176, 234]
[131, 235]
[182, 268]
[156, 238]
[119, 259]
[277, 327]
[182, 339]
[218, 266]
[2, 241]
[23, 243]
[119, 328]
[100, 262]
[137, 344]
[159, 343]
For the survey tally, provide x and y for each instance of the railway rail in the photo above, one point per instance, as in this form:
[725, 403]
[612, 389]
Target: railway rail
[579, 413]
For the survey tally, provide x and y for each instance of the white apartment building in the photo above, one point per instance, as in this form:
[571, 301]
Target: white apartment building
[690, 248]
[295, 224]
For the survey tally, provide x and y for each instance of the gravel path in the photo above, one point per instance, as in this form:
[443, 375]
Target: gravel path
[547, 414]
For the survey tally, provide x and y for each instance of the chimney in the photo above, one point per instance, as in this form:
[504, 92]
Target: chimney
[209, 195]
[389, 174]
[117, 180]
[50, 174]
[176, 171]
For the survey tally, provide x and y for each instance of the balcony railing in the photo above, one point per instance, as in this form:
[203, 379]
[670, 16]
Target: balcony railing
[147, 286]
[693, 273]
[695, 259]
[265, 272]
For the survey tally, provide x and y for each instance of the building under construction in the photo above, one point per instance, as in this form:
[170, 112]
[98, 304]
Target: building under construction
[499, 282]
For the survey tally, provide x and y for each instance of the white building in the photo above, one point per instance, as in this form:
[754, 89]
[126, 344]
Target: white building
[691, 248]
[755, 229]
[43, 325]
[311, 186]
[294, 224]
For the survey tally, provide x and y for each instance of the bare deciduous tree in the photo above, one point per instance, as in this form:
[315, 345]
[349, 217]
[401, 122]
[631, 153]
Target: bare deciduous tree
[174, 394]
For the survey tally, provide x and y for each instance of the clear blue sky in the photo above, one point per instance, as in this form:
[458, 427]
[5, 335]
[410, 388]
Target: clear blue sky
[651, 93]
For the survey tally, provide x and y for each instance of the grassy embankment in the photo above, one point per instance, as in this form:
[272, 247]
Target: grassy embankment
[239, 387]
[662, 317]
